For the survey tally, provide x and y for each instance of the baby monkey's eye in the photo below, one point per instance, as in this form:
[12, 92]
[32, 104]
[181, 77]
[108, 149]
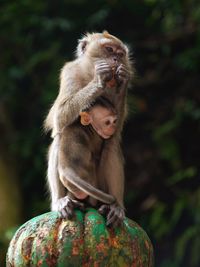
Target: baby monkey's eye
[107, 122]
[109, 49]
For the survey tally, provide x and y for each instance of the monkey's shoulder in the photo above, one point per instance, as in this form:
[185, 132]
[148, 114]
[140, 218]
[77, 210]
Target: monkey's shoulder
[76, 73]
[70, 64]
[72, 68]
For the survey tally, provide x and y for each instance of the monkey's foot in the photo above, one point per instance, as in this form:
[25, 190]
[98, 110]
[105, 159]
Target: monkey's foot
[66, 206]
[114, 214]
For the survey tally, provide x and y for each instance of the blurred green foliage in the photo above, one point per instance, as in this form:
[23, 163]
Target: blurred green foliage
[161, 137]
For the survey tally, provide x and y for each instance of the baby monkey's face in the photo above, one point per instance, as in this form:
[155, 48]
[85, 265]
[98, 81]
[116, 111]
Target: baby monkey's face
[104, 121]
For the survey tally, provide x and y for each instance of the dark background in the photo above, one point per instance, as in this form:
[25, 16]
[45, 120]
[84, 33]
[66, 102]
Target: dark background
[161, 137]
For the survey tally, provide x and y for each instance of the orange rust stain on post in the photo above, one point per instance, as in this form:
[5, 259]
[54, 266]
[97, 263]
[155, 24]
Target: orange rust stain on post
[27, 248]
[100, 247]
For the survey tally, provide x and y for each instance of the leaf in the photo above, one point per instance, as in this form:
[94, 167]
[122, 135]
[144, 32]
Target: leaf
[181, 175]
[183, 241]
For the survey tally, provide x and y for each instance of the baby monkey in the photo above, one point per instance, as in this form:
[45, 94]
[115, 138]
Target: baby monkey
[79, 153]
[103, 119]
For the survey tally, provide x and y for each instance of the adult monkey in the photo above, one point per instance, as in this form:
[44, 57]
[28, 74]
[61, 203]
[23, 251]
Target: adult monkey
[102, 69]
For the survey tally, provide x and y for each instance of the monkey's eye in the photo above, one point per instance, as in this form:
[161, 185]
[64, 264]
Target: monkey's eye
[107, 123]
[109, 49]
[120, 54]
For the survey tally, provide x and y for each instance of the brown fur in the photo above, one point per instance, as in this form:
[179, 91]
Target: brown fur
[82, 81]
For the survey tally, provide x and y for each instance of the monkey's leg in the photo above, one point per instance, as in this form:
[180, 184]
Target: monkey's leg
[77, 165]
[76, 169]
[79, 186]
[57, 190]
[111, 169]
[59, 200]
[75, 195]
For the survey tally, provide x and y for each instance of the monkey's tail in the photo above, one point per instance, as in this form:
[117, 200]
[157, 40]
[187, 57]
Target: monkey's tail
[73, 178]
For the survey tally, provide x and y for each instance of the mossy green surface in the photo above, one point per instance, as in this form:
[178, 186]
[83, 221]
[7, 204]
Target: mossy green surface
[49, 241]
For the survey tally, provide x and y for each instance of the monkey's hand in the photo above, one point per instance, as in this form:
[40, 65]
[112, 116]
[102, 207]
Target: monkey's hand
[115, 214]
[103, 73]
[66, 206]
[122, 75]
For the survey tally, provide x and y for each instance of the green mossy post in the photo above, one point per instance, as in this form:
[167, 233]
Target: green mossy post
[49, 241]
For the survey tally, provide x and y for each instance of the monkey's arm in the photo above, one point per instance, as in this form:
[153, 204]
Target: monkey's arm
[123, 76]
[70, 106]
[121, 107]
[74, 95]
[67, 107]
[112, 168]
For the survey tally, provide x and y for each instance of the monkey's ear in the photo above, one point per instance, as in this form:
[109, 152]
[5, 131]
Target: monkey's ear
[85, 118]
[106, 33]
[82, 44]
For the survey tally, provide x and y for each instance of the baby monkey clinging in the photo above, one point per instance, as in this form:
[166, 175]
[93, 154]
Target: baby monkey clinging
[102, 70]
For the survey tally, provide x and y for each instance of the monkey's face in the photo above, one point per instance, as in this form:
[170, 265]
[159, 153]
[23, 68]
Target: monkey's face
[114, 54]
[104, 122]
[106, 47]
